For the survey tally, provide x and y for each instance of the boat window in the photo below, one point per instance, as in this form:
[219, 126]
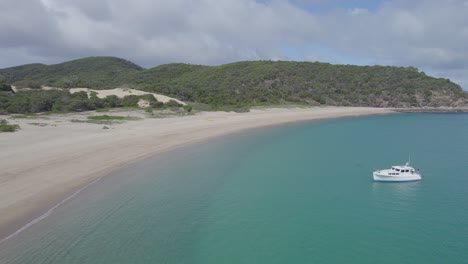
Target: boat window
[397, 169]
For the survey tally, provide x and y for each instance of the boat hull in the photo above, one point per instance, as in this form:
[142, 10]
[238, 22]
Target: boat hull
[392, 178]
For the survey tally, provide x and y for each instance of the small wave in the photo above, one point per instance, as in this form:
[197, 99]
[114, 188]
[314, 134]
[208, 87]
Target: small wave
[46, 214]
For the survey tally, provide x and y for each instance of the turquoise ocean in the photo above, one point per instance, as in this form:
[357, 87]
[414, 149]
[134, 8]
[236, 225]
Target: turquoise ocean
[297, 193]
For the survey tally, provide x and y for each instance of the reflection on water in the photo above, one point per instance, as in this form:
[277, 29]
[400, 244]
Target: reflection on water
[402, 190]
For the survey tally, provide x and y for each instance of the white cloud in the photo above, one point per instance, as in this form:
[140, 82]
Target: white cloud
[430, 35]
[358, 11]
[426, 34]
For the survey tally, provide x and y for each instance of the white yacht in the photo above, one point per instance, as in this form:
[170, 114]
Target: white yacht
[397, 174]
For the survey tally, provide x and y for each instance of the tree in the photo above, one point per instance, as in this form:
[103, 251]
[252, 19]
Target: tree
[131, 100]
[5, 88]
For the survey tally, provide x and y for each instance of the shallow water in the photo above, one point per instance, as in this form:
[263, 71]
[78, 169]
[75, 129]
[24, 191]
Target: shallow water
[291, 194]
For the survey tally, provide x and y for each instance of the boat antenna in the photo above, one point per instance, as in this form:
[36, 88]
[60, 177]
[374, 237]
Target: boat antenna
[409, 161]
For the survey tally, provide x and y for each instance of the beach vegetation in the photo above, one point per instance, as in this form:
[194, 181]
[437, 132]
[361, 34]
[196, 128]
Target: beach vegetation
[25, 116]
[6, 88]
[107, 117]
[6, 127]
[149, 111]
[38, 124]
[170, 112]
[172, 103]
[188, 108]
[156, 104]
[61, 101]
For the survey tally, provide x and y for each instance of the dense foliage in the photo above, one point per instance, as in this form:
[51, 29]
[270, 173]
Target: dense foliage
[252, 83]
[102, 72]
[36, 101]
[5, 88]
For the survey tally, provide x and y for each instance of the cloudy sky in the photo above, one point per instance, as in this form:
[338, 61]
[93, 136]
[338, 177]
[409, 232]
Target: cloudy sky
[431, 35]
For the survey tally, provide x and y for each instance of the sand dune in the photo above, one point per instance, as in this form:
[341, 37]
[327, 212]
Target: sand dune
[119, 92]
[50, 158]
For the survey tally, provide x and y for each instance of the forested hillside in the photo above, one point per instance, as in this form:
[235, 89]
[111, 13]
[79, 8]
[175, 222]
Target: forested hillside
[252, 82]
[102, 72]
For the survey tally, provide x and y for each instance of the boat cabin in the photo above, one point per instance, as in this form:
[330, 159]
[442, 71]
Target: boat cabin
[403, 169]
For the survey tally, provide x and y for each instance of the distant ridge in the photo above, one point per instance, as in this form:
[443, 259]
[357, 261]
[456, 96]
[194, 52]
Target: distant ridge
[99, 72]
[252, 82]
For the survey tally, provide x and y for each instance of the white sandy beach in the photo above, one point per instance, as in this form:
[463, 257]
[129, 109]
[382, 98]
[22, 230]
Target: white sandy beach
[40, 165]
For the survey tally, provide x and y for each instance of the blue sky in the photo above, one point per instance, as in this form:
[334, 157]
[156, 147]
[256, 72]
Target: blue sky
[428, 34]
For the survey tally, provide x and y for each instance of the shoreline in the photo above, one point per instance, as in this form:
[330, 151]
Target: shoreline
[432, 110]
[45, 166]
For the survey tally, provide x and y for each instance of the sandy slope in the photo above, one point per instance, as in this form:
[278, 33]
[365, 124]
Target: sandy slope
[119, 92]
[39, 165]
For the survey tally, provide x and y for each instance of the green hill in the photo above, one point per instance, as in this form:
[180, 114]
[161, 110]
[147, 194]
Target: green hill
[103, 72]
[252, 83]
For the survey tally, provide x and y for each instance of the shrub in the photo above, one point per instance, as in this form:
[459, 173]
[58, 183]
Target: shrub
[148, 97]
[149, 111]
[5, 127]
[131, 100]
[112, 101]
[188, 108]
[156, 104]
[173, 103]
[107, 117]
[5, 88]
